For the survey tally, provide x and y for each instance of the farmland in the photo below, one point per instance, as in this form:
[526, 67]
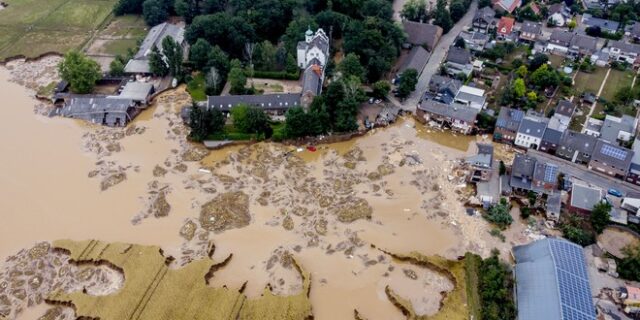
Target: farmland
[31, 28]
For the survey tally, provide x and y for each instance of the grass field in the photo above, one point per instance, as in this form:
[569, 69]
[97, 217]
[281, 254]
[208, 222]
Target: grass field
[589, 82]
[196, 88]
[617, 79]
[35, 27]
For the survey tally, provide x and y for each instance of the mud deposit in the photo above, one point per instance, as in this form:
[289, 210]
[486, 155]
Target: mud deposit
[263, 205]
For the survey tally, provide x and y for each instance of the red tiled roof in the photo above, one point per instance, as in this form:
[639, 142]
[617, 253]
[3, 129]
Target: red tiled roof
[505, 25]
[535, 8]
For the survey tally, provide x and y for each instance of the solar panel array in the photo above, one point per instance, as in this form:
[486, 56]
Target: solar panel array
[550, 173]
[611, 151]
[573, 281]
[517, 115]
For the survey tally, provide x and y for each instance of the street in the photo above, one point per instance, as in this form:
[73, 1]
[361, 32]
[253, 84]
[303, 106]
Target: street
[581, 172]
[437, 56]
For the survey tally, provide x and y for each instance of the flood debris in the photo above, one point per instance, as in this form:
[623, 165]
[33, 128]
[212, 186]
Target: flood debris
[229, 210]
[159, 171]
[160, 207]
[112, 180]
[188, 230]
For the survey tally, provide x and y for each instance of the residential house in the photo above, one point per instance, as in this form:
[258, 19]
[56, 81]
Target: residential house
[634, 32]
[443, 89]
[552, 281]
[576, 147]
[530, 31]
[110, 111]
[474, 40]
[530, 132]
[522, 172]
[507, 124]
[604, 25]
[138, 92]
[139, 64]
[618, 129]
[561, 117]
[565, 108]
[600, 58]
[550, 140]
[625, 52]
[506, 6]
[458, 117]
[554, 206]
[545, 178]
[422, 34]
[417, 60]
[273, 104]
[505, 28]
[472, 97]
[481, 163]
[634, 168]
[593, 128]
[559, 14]
[484, 20]
[315, 46]
[611, 159]
[571, 44]
[559, 42]
[584, 197]
[458, 61]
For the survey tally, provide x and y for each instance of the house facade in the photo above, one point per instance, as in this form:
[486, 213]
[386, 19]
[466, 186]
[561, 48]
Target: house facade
[611, 159]
[634, 169]
[472, 97]
[545, 178]
[507, 125]
[576, 147]
[314, 47]
[584, 197]
[559, 14]
[530, 133]
[522, 172]
[625, 52]
[458, 117]
[484, 20]
[481, 163]
[458, 61]
[530, 31]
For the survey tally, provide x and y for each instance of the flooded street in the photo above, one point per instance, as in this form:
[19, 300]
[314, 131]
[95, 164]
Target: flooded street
[334, 210]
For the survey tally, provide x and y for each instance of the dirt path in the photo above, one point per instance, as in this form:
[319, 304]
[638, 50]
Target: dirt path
[593, 106]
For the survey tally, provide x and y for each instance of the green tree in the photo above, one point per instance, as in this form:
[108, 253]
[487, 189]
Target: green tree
[460, 43]
[457, 8]
[625, 95]
[522, 72]
[204, 122]
[174, 55]
[575, 231]
[128, 7]
[538, 60]
[572, 24]
[532, 96]
[442, 16]
[220, 60]
[213, 82]
[495, 288]
[503, 168]
[600, 216]
[116, 68]
[157, 64]
[229, 32]
[407, 83]
[199, 54]
[155, 11]
[629, 266]
[415, 10]
[237, 80]
[249, 119]
[188, 9]
[519, 89]
[265, 56]
[498, 214]
[80, 71]
[381, 88]
[300, 123]
[544, 77]
[350, 66]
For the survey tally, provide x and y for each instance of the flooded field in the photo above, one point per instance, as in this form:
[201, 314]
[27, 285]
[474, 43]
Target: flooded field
[392, 189]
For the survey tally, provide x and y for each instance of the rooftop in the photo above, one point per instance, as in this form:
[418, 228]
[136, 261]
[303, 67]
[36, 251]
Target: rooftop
[531, 27]
[578, 141]
[585, 197]
[565, 108]
[417, 59]
[532, 127]
[458, 55]
[509, 119]
[484, 156]
[505, 25]
[282, 101]
[552, 136]
[136, 91]
[604, 24]
[612, 155]
[625, 47]
[454, 111]
[613, 126]
[552, 281]
[422, 33]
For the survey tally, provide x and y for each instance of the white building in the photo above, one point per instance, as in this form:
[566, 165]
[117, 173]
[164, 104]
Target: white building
[315, 46]
[530, 133]
[472, 97]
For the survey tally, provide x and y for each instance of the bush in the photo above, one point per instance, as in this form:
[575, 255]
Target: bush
[525, 213]
[499, 214]
[281, 75]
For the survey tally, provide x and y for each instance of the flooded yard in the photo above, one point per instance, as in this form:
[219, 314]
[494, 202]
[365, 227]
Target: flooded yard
[334, 210]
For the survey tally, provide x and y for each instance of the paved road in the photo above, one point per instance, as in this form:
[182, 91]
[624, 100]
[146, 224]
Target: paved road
[437, 56]
[581, 172]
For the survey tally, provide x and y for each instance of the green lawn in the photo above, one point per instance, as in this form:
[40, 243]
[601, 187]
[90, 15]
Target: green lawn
[35, 27]
[231, 133]
[556, 61]
[196, 88]
[120, 47]
[617, 79]
[589, 82]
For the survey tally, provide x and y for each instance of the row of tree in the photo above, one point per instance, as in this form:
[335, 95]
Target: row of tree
[445, 14]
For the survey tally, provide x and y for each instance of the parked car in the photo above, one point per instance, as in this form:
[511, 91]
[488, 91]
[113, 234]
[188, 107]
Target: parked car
[371, 100]
[614, 193]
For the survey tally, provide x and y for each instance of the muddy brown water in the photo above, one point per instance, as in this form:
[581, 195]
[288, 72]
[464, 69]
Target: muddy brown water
[48, 195]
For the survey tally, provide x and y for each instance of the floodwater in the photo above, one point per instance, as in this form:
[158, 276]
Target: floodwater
[48, 195]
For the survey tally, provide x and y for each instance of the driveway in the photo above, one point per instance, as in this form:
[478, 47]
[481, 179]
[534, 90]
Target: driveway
[437, 56]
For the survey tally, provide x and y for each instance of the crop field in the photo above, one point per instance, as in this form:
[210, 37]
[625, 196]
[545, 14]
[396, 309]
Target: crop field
[34, 27]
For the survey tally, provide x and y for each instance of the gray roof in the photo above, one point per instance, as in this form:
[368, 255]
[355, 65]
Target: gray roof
[552, 136]
[422, 33]
[612, 155]
[136, 91]
[458, 55]
[604, 24]
[531, 27]
[137, 66]
[565, 108]
[545, 172]
[522, 171]
[417, 59]
[578, 141]
[584, 42]
[561, 37]
[612, 126]
[636, 152]
[454, 111]
[156, 35]
[509, 119]
[438, 83]
[625, 47]
[552, 281]
[532, 127]
[321, 42]
[585, 197]
[98, 109]
[635, 31]
[487, 14]
[282, 101]
[554, 203]
[484, 156]
[312, 80]
[557, 8]
[466, 96]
